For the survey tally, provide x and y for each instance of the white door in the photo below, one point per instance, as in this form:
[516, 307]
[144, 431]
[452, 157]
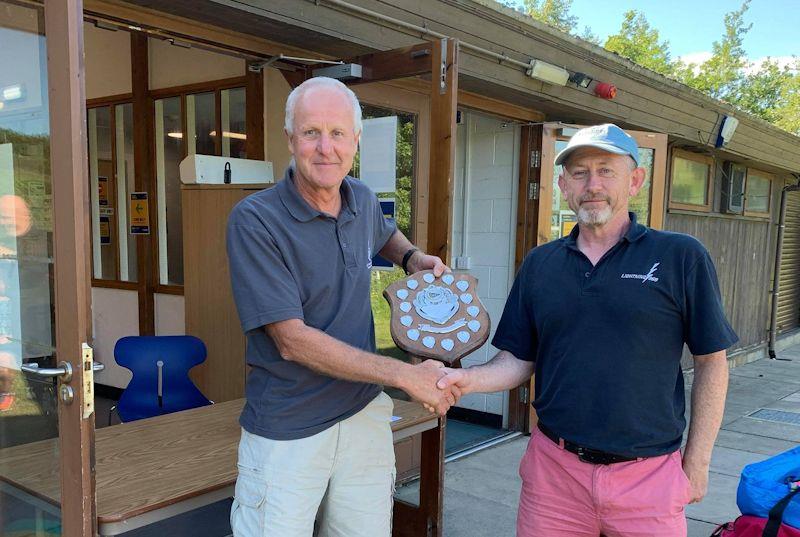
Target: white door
[484, 225]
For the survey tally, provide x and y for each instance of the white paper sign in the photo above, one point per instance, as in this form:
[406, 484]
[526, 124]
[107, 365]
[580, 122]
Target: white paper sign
[379, 153]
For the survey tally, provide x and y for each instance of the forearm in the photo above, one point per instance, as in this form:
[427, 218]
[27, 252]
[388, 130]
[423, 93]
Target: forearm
[708, 405]
[327, 355]
[503, 372]
[396, 247]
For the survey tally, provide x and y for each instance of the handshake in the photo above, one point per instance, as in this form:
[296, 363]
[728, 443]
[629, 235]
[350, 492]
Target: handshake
[435, 386]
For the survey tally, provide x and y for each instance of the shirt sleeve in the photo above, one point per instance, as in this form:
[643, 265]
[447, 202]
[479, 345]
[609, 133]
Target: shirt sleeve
[263, 288]
[516, 331]
[706, 329]
[383, 228]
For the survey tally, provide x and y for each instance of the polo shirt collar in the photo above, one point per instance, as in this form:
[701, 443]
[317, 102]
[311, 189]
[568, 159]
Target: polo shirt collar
[635, 232]
[297, 205]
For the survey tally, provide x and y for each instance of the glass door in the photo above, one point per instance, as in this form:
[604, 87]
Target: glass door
[46, 421]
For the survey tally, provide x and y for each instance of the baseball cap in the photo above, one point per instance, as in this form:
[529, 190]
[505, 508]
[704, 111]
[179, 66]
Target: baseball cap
[607, 137]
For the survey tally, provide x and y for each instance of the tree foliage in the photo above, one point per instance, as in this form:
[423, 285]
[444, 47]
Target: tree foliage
[638, 41]
[555, 13]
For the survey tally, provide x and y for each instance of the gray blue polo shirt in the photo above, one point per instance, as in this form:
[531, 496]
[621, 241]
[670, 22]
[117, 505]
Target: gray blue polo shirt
[291, 261]
[607, 339]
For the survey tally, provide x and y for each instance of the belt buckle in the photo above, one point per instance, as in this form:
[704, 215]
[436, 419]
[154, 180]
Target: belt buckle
[589, 456]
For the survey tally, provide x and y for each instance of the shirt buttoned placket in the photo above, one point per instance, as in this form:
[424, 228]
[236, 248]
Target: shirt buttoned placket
[346, 246]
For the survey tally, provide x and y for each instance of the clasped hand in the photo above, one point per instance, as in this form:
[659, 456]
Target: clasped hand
[435, 386]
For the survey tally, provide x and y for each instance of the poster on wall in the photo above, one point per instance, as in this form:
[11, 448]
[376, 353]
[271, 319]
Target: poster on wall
[388, 210]
[105, 230]
[102, 190]
[378, 156]
[140, 214]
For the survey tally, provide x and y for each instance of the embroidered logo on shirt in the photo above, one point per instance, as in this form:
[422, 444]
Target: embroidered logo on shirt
[644, 277]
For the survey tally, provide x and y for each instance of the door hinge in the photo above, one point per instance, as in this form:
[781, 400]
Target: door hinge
[523, 394]
[536, 159]
[533, 191]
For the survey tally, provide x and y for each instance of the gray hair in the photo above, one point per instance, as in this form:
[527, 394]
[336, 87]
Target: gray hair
[321, 82]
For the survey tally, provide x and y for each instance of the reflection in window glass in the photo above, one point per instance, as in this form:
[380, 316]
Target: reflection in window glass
[563, 219]
[200, 124]
[103, 194]
[169, 153]
[111, 179]
[28, 410]
[403, 195]
[689, 182]
[757, 196]
[234, 137]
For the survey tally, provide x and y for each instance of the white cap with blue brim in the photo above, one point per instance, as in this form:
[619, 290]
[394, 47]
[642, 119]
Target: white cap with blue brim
[606, 137]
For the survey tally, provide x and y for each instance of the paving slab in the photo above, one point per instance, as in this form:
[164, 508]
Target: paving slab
[698, 528]
[782, 431]
[763, 445]
[729, 461]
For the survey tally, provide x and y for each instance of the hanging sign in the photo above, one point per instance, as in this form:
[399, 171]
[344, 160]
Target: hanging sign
[140, 214]
[388, 210]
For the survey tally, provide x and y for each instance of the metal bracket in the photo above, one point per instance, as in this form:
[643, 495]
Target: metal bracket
[536, 158]
[523, 394]
[257, 67]
[443, 67]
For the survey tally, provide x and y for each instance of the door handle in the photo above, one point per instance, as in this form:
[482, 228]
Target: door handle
[63, 371]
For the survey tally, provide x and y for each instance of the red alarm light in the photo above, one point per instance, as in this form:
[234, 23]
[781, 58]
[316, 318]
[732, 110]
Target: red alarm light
[604, 90]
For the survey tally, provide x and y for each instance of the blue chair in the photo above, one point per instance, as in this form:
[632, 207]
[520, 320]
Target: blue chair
[160, 367]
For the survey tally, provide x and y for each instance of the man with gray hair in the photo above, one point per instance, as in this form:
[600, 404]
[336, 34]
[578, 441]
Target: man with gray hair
[316, 435]
[602, 316]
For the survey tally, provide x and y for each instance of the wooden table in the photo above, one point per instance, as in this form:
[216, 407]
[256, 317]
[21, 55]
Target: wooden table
[154, 469]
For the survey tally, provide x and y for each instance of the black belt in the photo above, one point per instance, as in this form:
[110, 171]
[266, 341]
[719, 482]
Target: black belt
[592, 456]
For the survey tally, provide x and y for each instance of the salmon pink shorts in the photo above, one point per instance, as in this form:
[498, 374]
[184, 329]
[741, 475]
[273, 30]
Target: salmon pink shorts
[563, 496]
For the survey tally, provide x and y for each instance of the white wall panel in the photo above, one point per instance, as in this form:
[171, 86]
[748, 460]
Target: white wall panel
[115, 314]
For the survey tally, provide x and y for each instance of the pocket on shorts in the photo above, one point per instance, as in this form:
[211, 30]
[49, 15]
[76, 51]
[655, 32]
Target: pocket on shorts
[247, 517]
[687, 484]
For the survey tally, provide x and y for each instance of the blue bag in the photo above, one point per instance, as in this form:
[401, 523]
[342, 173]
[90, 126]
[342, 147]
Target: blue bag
[763, 484]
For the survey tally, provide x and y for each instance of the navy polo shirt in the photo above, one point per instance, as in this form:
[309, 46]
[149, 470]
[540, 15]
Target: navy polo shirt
[290, 261]
[607, 339]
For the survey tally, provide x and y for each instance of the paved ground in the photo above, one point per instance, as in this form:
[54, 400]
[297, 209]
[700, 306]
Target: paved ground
[481, 490]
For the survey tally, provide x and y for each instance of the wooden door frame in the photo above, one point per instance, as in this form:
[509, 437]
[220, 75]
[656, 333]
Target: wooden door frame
[69, 158]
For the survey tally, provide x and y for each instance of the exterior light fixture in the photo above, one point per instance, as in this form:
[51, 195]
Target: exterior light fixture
[726, 130]
[548, 72]
[582, 80]
[12, 93]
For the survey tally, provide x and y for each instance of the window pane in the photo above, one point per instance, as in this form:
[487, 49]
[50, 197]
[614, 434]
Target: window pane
[125, 185]
[640, 203]
[689, 182]
[234, 124]
[757, 196]
[169, 153]
[403, 195]
[103, 194]
[201, 124]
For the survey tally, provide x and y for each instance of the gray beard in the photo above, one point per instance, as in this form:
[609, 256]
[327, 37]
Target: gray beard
[594, 217]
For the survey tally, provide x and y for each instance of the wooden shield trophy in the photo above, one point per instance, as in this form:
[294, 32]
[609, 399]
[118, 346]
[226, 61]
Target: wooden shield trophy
[440, 318]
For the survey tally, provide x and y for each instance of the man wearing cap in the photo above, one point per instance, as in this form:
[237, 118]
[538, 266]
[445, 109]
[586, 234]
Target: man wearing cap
[601, 317]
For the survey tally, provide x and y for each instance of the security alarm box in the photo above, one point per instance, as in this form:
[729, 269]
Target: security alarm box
[210, 169]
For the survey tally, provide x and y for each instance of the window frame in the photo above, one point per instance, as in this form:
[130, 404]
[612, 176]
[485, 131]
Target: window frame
[702, 159]
[110, 102]
[215, 86]
[764, 175]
